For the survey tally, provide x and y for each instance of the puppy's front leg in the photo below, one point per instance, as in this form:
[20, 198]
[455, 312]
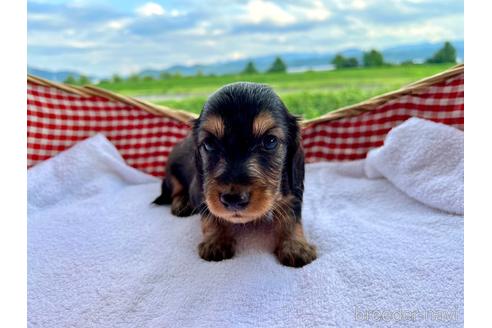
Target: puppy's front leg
[218, 243]
[292, 249]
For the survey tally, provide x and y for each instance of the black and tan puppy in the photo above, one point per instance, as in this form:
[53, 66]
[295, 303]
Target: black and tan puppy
[242, 162]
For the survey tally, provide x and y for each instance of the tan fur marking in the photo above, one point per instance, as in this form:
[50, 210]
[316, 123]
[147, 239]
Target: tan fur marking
[299, 232]
[176, 186]
[180, 203]
[218, 242]
[215, 125]
[261, 201]
[295, 253]
[292, 248]
[208, 227]
[262, 123]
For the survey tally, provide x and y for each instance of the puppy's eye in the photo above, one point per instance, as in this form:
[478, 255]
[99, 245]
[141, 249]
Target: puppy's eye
[270, 142]
[209, 145]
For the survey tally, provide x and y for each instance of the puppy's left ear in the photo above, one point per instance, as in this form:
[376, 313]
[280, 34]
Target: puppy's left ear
[295, 159]
[196, 185]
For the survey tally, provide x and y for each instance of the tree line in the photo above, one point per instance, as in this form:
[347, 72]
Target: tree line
[372, 58]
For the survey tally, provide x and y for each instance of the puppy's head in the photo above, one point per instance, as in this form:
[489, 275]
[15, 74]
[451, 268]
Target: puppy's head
[247, 152]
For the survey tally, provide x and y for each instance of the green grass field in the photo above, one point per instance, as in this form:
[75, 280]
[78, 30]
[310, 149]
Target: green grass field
[309, 94]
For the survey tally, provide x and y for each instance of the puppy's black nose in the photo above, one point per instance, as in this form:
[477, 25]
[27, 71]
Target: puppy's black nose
[235, 201]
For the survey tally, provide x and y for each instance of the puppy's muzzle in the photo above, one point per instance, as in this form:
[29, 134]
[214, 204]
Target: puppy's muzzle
[235, 201]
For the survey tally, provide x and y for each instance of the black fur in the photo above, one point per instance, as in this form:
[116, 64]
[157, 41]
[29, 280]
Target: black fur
[229, 170]
[237, 104]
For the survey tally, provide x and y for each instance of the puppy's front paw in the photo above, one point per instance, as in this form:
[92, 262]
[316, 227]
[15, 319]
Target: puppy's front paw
[181, 206]
[216, 250]
[295, 253]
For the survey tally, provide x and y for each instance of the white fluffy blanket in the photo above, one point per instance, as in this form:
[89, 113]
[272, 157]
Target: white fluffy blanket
[425, 160]
[99, 255]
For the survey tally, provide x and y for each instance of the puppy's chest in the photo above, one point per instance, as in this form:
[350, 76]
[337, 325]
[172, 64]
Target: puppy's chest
[255, 236]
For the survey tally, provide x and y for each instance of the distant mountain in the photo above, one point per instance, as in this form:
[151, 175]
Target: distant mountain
[57, 76]
[262, 63]
[304, 61]
[295, 61]
[420, 52]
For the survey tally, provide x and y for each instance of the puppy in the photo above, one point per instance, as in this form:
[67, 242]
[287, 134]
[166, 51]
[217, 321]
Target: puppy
[243, 162]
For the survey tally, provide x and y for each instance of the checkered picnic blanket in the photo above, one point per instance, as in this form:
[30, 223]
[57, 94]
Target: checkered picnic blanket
[350, 138]
[56, 119]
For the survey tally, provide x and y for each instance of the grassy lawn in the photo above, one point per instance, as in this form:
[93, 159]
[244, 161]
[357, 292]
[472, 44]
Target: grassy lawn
[309, 94]
[304, 103]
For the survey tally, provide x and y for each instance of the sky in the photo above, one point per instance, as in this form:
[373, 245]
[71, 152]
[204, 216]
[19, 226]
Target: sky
[125, 36]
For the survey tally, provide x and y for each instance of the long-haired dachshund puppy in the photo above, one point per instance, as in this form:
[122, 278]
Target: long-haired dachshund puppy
[242, 162]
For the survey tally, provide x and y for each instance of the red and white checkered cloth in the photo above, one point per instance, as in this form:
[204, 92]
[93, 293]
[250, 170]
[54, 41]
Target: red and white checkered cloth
[350, 138]
[57, 119]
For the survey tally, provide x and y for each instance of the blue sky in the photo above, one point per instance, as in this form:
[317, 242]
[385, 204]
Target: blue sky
[106, 37]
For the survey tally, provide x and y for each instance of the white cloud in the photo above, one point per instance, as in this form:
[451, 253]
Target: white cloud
[237, 55]
[281, 39]
[99, 40]
[259, 11]
[70, 32]
[176, 13]
[416, 1]
[150, 9]
[202, 29]
[39, 17]
[359, 4]
[431, 30]
[210, 43]
[353, 4]
[80, 44]
[318, 12]
[117, 24]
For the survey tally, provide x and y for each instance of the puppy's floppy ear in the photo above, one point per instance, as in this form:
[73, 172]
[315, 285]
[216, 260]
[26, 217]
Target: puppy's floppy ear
[295, 159]
[197, 155]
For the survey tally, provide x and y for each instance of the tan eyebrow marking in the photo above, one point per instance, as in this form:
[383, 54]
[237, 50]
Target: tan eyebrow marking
[262, 123]
[214, 125]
